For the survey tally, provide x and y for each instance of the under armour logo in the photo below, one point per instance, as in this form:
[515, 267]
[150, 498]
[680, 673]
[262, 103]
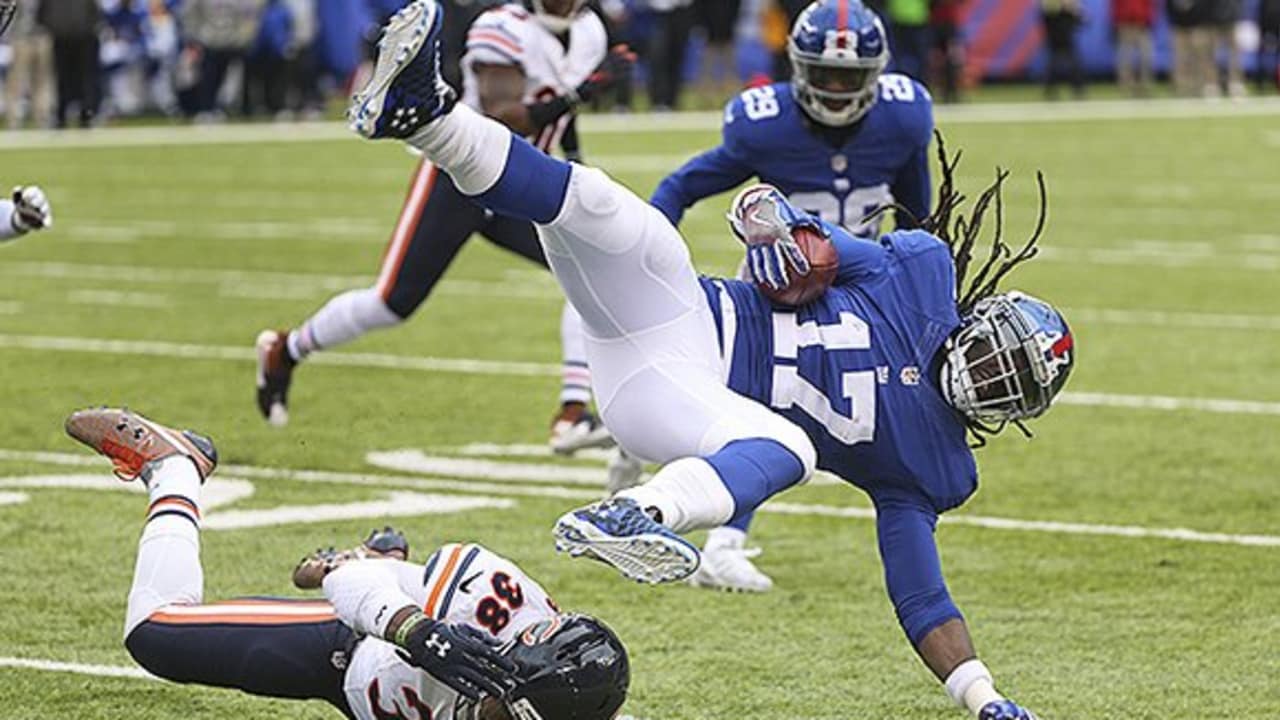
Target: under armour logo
[440, 646]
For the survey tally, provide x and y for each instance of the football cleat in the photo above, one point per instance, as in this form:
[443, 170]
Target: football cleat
[728, 567]
[624, 471]
[405, 90]
[574, 428]
[132, 442]
[1005, 710]
[620, 533]
[275, 372]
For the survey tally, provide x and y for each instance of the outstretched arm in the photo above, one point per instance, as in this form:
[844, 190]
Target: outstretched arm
[913, 574]
[710, 173]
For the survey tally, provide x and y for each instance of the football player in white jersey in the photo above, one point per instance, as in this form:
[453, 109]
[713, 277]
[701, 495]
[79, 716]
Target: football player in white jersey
[528, 67]
[28, 211]
[467, 636]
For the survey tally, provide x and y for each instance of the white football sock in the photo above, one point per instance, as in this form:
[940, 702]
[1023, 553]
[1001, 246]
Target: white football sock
[167, 570]
[970, 686]
[346, 317]
[689, 493]
[469, 146]
[726, 537]
[575, 376]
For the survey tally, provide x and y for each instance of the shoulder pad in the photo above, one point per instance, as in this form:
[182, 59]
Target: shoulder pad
[497, 36]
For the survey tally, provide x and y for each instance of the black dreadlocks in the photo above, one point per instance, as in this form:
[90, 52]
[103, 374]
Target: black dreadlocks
[960, 232]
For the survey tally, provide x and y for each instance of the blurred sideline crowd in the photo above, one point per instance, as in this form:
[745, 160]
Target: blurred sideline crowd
[81, 61]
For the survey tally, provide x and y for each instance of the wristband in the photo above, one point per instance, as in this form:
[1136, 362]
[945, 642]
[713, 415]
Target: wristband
[410, 624]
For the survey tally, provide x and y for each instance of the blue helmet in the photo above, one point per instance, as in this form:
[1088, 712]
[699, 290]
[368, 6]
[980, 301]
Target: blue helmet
[838, 48]
[1009, 360]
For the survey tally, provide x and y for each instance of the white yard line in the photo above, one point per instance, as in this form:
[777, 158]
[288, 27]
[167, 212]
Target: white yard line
[155, 348]
[473, 366]
[1186, 320]
[605, 124]
[77, 668]
[117, 298]
[811, 510]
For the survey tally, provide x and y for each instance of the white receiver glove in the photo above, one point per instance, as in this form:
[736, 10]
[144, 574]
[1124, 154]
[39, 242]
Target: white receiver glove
[31, 210]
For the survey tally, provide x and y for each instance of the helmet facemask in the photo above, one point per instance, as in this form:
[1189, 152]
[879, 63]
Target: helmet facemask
[835, 91]
[995, 370]
[571, 667]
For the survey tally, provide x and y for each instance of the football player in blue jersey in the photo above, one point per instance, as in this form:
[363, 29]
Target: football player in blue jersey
[880, 379]
[842, 141]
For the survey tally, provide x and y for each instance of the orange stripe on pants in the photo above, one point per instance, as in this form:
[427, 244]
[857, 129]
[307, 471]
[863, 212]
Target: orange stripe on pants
[414, 204]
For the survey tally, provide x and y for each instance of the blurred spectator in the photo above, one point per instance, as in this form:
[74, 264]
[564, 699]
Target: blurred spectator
[948, 47]
[123, 59]
[30, 81]
[667, 46]
[161, 41]
[718, 19]
[1061, 20]
[1192, 45]
[1269, 49]
[220, 32]
[74, 25]
[1223, 18]
[1133, 21]
[266, 66]
[302, 67]
[908, 35]
[618, 19]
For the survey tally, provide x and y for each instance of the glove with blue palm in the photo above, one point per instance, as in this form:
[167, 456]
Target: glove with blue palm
[765, 222]
[1005, 710]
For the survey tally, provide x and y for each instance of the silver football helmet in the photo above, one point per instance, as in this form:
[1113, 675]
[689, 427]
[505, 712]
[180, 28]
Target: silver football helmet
[1009, 360]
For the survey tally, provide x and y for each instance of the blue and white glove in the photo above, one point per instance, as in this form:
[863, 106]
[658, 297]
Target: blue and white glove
[764, 221]
[31, 210]
[1005, 710]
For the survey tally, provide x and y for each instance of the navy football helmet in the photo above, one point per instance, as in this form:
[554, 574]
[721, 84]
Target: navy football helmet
[556, 19]
[838, 48]
[571, 667]
[1009, 360]
[8, 11]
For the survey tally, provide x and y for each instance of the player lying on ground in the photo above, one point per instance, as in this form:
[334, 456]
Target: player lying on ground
[842, 142]
[529, 68]
[28, 211]
[879, 378]
[467, 637]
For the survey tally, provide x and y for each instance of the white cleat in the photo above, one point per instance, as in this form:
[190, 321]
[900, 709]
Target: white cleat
[726, 564]
[625, 471]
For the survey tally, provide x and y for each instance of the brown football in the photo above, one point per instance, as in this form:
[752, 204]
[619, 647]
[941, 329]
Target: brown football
[823, 263]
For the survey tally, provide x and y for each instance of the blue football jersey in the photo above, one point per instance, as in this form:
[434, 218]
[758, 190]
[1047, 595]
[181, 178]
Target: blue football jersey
[766, 136]
[857, 368]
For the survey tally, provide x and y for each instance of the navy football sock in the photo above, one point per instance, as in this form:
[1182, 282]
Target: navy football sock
[532, 186]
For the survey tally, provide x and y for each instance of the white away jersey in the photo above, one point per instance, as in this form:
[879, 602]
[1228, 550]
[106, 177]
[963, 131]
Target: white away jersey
[511, 35]
[464, 584]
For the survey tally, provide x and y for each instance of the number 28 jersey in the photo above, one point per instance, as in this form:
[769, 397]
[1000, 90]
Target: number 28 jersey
[856, 369]
[461, 584]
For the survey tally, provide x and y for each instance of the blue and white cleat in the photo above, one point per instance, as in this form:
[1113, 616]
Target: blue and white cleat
[1004, 710]
[619, 532]
[405, 91]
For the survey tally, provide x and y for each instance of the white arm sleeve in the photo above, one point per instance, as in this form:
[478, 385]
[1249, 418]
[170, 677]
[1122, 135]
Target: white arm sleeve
[366, 594]
[7, 230]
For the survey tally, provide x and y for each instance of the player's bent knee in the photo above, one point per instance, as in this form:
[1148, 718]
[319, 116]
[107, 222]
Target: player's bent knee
[794, 439]
[921, 613]
[152, 651]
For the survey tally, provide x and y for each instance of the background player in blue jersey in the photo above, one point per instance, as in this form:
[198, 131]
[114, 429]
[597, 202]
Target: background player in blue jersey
[842, 142]
[880, 379]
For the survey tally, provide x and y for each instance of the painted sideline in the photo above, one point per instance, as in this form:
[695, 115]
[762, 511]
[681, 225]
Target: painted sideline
[606, 124]
[786, 508]
[473, 366]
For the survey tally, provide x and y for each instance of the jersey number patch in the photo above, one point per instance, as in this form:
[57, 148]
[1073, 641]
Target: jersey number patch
[859, 388]
[494, 612]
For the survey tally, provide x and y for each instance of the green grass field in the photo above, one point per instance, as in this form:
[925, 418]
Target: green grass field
[168, 257]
